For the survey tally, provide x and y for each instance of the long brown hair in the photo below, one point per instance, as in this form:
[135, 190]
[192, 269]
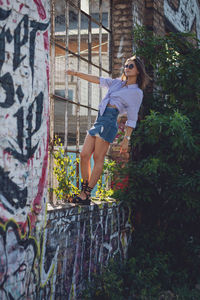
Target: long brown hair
[142, 78]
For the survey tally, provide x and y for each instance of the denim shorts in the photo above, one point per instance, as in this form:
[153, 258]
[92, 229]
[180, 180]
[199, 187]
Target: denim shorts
[106, 126]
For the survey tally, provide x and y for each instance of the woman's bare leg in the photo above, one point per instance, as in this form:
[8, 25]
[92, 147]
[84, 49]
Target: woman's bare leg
[99, 147]
[100, 150]
[86, 153]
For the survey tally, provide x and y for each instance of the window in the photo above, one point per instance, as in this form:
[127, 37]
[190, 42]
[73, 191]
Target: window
[60, 21]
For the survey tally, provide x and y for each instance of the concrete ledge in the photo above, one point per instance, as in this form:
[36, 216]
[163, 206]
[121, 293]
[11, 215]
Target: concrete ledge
[85, 237]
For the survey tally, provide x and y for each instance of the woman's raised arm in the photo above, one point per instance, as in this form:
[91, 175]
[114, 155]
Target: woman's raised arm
[90, 78]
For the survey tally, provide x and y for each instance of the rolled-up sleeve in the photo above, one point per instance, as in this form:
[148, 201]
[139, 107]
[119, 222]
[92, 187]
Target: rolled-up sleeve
[105, 82]
[133, 109]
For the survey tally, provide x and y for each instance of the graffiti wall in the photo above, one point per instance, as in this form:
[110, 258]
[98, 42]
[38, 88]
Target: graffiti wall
[24, 75]
[87, 237]
[184, 16]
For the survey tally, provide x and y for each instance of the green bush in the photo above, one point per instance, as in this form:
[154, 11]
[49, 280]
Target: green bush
[65, 172]
[103, 193]
[164, 186]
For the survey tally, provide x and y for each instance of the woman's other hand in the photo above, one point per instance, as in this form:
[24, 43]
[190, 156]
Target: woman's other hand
[124, 145]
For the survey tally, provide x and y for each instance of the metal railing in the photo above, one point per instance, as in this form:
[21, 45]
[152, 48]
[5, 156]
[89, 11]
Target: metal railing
[81, 38]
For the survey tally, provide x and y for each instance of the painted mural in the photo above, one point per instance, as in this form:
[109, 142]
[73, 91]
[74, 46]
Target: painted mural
[24, 76]
[184, 16]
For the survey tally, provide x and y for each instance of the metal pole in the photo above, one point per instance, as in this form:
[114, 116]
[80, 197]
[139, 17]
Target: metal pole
[100, 46]
[66, 68]
[110, 37]
[78, 96]
[89, 71]
[52, 88]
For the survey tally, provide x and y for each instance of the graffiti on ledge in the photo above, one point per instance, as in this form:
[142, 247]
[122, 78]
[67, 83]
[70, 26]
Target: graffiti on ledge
[88, 238]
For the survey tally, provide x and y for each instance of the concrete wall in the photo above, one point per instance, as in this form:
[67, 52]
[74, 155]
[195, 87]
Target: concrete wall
[24, 117]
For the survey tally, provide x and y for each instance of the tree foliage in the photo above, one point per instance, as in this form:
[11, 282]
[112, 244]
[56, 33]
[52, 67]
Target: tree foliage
[164, 188]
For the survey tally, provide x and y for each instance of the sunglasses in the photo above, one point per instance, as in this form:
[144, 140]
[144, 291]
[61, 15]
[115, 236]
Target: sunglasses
[131, 66]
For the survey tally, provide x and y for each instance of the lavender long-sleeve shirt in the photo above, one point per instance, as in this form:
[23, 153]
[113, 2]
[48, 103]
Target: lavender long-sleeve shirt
[127, 99]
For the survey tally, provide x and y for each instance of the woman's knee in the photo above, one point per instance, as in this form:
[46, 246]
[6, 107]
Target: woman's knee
[98, 158]
[84, 155]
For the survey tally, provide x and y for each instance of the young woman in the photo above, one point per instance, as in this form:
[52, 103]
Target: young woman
[124, 96]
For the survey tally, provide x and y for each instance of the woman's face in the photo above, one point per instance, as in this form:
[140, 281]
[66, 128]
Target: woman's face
[130, 69]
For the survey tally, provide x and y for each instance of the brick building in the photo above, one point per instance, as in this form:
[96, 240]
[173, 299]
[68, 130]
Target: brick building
[159, 16]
